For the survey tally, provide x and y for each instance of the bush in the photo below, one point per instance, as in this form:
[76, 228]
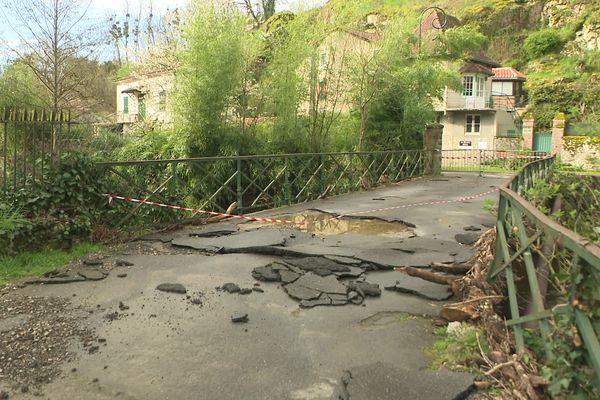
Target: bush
[540, 43]
[56, 212]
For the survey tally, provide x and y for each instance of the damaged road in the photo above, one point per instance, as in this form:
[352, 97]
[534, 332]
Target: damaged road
[259, 311]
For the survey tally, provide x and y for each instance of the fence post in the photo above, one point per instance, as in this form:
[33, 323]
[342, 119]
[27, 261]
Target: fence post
[322, 178]
[480, 158]
[433, 150]
[286, 181]
[173, 178]
[240, 192]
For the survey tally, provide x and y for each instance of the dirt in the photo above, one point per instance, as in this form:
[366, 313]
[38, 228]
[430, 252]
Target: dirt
[39, 339]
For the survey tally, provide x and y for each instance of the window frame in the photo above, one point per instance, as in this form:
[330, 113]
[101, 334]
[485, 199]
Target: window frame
[473, 124]
[125, 104]
[468, 85]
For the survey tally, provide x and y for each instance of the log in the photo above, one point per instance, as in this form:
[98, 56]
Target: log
[427, 275]
[454, 269]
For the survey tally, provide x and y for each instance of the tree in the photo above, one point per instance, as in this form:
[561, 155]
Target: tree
[215, 79]
[259, 10]
[20, 87]
[52, 38]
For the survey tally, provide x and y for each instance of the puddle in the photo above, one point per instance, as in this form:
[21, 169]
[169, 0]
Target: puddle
[321, 223]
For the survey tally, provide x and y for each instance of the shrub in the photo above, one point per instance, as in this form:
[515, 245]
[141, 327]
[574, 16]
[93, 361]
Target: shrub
[540, 43]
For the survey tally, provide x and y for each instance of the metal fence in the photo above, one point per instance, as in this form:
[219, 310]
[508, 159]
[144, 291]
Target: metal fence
[256, 182]
[527, 241]
[30, 143]
[469, 160]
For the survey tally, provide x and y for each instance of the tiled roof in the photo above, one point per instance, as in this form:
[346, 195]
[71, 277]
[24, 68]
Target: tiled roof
[507, 73]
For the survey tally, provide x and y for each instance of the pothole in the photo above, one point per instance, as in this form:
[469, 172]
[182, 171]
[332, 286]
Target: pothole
[325, 224]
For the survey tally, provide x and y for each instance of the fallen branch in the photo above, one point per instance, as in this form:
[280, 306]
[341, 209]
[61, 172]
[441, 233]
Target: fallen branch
[474, 300]
[499, 367]
[454, 269]
[427, 275]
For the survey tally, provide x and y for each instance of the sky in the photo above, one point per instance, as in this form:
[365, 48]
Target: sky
[100, 10]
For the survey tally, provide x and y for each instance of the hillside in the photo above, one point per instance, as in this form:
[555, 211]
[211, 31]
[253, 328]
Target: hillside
[555, 43]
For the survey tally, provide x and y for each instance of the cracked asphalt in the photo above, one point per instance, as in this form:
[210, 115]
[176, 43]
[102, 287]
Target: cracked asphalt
[153, 344]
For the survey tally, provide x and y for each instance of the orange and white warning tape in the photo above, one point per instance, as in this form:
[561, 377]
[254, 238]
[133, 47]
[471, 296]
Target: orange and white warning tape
[112, 197]
[426, 203]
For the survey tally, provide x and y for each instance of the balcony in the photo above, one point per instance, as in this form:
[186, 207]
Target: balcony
[456, 101]
[128, 118]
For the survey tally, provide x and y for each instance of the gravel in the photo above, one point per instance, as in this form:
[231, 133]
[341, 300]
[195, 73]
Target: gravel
[37, 343]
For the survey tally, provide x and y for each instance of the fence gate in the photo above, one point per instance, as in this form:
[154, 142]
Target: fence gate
[542, 141]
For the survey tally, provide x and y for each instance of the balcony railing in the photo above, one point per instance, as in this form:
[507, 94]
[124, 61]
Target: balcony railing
[456, 101]
[128, 118]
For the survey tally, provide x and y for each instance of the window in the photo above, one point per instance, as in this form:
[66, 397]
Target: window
[480, 85]
[162, 100]
[502, 88]
[323, 60]
[473, 124]
[126, 105]
[467, 86]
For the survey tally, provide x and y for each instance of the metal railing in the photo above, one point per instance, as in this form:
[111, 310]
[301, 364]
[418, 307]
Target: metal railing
[30, 142]
[471, 160]
[256, 182]
[528, 241]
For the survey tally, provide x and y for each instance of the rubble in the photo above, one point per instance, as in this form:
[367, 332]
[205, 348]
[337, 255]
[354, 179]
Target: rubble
[172, 288]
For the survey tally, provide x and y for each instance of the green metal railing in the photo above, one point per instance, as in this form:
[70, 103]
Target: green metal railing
[30, 143]
[522, 230]
[256, 182]
[473, 160]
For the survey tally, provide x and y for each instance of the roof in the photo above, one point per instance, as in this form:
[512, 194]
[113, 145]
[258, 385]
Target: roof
[475, 68]
[482, 58]
[507, 73]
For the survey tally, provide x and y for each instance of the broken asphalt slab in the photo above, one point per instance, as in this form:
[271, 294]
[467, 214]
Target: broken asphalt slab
[421, 287]
[234, 242]
[172, 288]
[382, 381]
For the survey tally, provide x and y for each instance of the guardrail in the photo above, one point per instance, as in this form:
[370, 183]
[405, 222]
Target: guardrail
[256, 182]
[472, 160]
[523, 234]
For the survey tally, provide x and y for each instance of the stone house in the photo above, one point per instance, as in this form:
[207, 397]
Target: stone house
[486, 114]
[144, 97]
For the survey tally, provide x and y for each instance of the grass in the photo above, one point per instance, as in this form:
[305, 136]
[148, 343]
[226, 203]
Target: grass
[39, 262]
[451, 351]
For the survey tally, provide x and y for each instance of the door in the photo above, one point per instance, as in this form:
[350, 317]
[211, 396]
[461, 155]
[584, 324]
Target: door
[142, 108]
[542, 141]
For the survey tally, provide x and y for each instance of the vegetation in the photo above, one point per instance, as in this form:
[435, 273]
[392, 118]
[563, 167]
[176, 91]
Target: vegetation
[569, 372]
[39, 262]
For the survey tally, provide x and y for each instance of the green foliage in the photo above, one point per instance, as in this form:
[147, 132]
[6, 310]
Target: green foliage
[39, 262]
[58, 211]
[451, 351]
[540, 43]
[214, 69]
[574, 283]
[456, 43]
[20, 87]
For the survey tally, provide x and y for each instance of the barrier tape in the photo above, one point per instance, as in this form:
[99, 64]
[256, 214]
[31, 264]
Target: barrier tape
[427, 203]
[494, 158]
[112, 197]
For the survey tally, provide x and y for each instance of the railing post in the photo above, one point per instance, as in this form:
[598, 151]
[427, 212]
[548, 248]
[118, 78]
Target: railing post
[173, 178]
[240, 192]
[480, 159]
[286, 181]
[322, 178]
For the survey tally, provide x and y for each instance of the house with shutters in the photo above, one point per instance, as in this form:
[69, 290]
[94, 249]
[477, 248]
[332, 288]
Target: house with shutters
[144, 97]
[487, 113]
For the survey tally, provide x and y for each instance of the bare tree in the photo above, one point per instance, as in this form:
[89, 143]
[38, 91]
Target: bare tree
[52, 38]
[259, 10]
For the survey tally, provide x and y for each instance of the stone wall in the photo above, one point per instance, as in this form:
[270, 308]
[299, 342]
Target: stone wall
[581, 151]
[508, 143]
